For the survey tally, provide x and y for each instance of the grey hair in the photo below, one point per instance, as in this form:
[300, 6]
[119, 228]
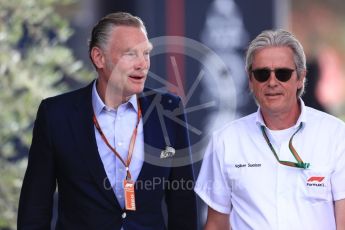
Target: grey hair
[101, 31]
[276, 38]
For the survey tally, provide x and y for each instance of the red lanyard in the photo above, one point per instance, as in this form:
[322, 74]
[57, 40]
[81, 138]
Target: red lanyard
[131, 144]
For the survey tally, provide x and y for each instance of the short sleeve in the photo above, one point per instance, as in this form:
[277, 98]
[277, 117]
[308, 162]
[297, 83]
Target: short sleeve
[212, 185]
[338, 175]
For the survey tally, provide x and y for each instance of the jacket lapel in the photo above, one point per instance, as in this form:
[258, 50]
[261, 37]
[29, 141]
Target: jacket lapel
[154, 141]
[84, 133]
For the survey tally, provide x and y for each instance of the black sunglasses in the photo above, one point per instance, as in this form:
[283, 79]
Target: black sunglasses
[263, 74]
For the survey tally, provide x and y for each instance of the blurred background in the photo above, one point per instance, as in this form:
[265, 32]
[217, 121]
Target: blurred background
[199, 55]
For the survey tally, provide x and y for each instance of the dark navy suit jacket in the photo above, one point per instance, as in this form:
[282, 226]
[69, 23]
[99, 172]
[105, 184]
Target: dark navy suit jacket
[64, 153]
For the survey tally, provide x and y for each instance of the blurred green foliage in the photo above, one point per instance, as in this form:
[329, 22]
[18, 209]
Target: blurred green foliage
[35, 63]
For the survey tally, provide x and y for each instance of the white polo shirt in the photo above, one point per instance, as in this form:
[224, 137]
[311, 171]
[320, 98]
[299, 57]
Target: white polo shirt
[240, 175]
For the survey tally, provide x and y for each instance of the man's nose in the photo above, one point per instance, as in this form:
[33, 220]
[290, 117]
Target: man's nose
[142, 62]
[272, 80]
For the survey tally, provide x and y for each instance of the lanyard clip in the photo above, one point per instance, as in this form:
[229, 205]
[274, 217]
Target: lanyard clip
[302, 165]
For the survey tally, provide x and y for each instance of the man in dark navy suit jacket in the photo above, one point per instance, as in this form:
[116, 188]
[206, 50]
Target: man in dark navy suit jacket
[84, 145]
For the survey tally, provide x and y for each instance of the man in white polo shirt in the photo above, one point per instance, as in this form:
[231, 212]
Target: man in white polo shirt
[282, 167]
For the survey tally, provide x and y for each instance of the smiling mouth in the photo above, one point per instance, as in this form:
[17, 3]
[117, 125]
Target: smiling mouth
[136, 77]
[273, 94]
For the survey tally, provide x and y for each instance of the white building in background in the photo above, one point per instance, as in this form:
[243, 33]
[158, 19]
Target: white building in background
[225, 34]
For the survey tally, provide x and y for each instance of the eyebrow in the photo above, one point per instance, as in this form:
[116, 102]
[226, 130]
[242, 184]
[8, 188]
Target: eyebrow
[130, 49]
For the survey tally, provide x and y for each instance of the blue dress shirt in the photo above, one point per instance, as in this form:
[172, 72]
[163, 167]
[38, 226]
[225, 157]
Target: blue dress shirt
[117, 126]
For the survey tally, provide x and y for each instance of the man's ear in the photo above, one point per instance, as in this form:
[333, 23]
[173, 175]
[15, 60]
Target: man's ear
[97, 57]
[250, 82]
[302, 79]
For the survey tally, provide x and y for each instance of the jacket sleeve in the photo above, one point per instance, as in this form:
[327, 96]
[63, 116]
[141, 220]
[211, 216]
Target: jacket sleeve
[36, 198]
[180, 197]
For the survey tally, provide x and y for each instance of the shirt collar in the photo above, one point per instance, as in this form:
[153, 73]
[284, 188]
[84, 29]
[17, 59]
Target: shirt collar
[301, 118]
[98, 105]
[133, 101]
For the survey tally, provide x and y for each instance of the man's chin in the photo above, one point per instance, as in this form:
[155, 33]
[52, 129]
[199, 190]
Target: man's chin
[136, 90]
